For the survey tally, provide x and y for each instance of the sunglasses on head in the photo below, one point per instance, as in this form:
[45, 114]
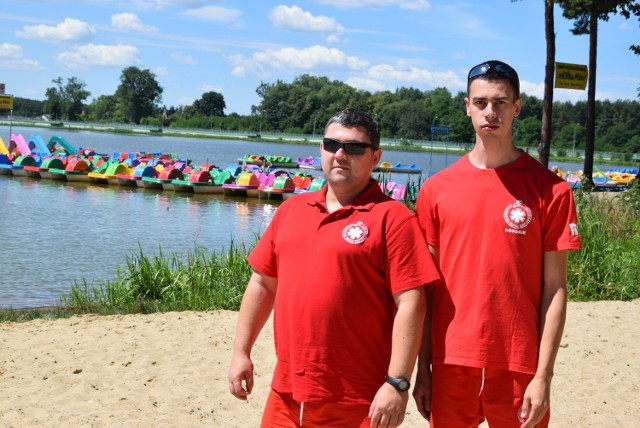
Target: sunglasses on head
[349, 147]
[497, 67]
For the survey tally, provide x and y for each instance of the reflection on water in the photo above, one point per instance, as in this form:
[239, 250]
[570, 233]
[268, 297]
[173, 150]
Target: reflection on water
[60, 233]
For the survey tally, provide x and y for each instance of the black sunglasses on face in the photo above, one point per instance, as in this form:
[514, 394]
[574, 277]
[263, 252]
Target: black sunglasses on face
[350, 147]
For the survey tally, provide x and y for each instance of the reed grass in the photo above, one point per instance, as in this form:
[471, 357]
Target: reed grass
[200, 282]
[608, 266]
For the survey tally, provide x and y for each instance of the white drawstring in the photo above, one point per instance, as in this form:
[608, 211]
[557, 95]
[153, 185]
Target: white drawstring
[482, 384]
[301, 411]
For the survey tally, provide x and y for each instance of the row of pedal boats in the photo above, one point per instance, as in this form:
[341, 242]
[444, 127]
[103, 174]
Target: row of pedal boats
[253, 176]
[167, 173]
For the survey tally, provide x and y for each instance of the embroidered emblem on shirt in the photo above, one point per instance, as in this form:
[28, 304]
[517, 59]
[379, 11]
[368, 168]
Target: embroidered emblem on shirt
[517, 216]
[355, 233]
[574, 229]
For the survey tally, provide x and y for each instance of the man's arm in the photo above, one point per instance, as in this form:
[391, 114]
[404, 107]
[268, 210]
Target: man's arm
[553, 313]
[389, 405]
[422, 387]
[255, 310]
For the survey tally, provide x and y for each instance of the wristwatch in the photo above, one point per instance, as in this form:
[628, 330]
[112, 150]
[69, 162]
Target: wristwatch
[399, 383]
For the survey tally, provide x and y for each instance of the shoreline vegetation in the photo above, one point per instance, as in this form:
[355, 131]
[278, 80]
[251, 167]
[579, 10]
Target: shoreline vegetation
[605, 269]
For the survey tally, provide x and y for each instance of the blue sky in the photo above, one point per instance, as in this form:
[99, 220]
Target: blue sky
[231, 46]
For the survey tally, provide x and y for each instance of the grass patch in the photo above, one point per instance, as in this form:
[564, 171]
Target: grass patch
[607, 266]
[201, 282]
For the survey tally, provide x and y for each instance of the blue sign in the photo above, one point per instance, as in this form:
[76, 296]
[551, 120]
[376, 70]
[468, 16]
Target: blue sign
[440, 130]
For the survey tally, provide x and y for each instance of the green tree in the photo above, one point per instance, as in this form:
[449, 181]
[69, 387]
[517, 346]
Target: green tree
[412, 116]
[25, 107]
[440, 105]
[66, 101]
[273, 109]
[460, 126]
[54, 104]
[103, 108]
[75, 97]
[377, 102]
[210, 104]
[138, 94]
[526, 131]
[306, 103]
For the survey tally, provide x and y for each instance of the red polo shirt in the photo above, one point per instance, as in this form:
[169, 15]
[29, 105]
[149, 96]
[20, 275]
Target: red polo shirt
[337, 273]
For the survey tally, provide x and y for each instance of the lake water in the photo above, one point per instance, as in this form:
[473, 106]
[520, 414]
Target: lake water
[56, 233]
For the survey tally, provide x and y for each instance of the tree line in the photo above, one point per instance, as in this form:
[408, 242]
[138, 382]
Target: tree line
[304, 105]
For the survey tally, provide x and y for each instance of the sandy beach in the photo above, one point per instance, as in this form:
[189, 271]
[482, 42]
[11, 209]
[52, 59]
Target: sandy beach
[170, 370]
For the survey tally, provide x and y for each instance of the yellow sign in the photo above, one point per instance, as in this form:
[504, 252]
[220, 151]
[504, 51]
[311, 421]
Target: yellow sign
[571, 76]
[6, 102]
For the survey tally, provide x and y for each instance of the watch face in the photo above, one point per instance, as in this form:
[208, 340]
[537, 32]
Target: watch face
[399, 383]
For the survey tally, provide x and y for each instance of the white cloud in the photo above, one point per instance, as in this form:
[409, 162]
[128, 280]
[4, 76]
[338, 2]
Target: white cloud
[366, 84]
[402, 4]
[295, 19]
[161, 71]
[559, 94]
[389, 77]
[532, 89]
[187, 4]
[12, 58]
[311, 58]
[214, 14]
[210, 88]
[69, 30]
[10, 51]
[130, 22]
[182, 58]
[99, 55]
[161, 4]
[335, 38]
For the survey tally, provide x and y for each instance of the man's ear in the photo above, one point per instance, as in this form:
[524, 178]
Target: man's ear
[377, 155]
[516, 113]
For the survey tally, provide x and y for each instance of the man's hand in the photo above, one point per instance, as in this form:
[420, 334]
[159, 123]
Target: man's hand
[422, 392]
[241, 377]
[388, 407]
[536, 402]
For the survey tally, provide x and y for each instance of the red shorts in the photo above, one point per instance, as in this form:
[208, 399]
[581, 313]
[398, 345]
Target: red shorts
[463, 397]
[282, 411]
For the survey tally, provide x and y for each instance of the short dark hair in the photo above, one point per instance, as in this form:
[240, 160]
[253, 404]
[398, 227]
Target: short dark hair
[495, 70]
[354, 118]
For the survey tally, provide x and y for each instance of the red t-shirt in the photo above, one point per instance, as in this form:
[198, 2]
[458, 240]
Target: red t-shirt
[491, 227]
[334, 308]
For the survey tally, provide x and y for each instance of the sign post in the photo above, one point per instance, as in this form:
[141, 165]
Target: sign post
[6, 103]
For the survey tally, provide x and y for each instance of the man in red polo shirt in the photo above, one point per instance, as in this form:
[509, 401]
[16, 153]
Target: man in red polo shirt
[344, 269]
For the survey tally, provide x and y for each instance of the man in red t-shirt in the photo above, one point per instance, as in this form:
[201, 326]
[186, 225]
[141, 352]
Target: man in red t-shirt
[499, 225]
[344, 271]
